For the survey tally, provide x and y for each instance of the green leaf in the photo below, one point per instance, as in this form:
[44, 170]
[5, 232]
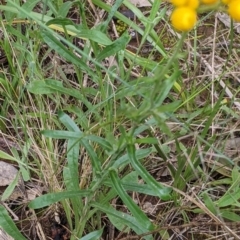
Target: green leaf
[147, 63]
[50, 198]
[59, 134]
[92, 34]
[9, 190]
[164, 234]
[166, 86]
[113, 9]
[7, 156]
[161, 191]
[62, 50]
[235, 179]
[111, 50]
[60, 21]
[67, 177]
[123, 160]
[210, 204]
[41, 86]
[78, 137]
[72, 29]
[28, 6]
[73, 149]
[64, 8]
[135, 187]
[131, 205]
[19, 35]
[124, 218]
[147, 140]
[120, 225]
[72, 152]
[4, 155]
[132, 177]
[230, 215]
[93, 235]
[68, 122]
[228, 199]
[7, 224]
[23, 169]
[235, 175]
[50, 86]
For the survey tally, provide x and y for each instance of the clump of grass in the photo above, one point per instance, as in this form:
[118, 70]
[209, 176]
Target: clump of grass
[107, 132]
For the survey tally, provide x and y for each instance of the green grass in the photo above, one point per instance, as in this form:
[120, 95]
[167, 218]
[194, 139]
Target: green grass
[97, 136]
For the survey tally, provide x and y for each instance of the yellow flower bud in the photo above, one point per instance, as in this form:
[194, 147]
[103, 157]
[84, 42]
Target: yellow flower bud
[183, 18]
[234, 10]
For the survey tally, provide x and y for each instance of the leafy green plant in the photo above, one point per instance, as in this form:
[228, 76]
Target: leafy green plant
[95, 136]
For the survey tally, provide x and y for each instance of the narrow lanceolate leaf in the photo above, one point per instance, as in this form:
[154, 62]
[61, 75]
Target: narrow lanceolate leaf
[72, 152]
[61, 134]
[28, 6]
[50, 198]
[4, 155]
[114, 48]
[161, 191]
[9, 190]
[60, 21]
[62, 50]
[230, 215]
[49, 86]
[166, 86]
[123, 160]
[132, 206]
[71, 29]
[93, 235]
[82, 140]
[229, 199]
[134, 187]
[64, 9]
[78, 136]
[7, 224]
[113, 10]
[72, 159]
[123, 218]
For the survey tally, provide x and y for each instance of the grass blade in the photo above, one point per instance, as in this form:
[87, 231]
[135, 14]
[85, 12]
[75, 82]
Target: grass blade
[93, 235]
[56, 45]
[111, 50]
[7, 224]
[123, 217]
[50, 198]
[132, 206]
[161, 191]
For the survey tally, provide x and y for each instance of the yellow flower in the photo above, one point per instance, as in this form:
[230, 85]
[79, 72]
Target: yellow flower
[234, 10]
[209, 1]
[179, 3]
[183, 18]
[193, 4]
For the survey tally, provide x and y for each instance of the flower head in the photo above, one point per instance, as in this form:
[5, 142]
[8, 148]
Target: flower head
[234, 10]
[183, 18]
